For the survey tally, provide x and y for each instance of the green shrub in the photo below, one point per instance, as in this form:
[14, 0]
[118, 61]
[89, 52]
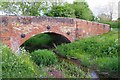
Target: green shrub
[108, 64]
[44, 57]
[17, 66]
[85, 59]
[89, 49]
[113, 24]
[103, 45]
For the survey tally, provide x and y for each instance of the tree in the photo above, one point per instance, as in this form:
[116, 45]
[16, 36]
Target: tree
[82, 10]
[55, 9]
[118, 19]
[21, 8]
[103, 17]
[75, 10]
[60, 11]
[111, 9]
[28, 8]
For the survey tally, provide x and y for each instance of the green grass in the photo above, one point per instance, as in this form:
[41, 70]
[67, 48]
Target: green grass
[23, 65]
[19, 66]
[44, 57]
[68, 70]
[100, 52]
[71, 70]
[107, 64]
[93, 50]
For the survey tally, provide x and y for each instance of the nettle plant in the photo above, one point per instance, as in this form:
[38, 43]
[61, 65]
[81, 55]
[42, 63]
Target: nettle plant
[44, 57]
[17, 66]
[102, 50]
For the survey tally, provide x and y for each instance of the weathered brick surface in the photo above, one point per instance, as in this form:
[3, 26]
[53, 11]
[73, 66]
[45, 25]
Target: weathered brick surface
[15, 30]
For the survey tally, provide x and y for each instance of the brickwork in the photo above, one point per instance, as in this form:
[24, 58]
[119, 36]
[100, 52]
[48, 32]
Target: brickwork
[15, 30]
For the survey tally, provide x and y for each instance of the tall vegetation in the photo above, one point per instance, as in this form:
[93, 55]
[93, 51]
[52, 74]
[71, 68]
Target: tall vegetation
[82, 10]
[76, 10]
[18, 66]
[44, 57]
[21, 8]
[23, 65]
[61, 11]
[100, 51]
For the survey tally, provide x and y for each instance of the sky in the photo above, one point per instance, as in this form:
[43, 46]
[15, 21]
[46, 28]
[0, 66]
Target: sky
[100, 6]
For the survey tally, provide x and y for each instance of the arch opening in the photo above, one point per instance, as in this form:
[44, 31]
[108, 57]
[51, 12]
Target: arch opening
[48, 40]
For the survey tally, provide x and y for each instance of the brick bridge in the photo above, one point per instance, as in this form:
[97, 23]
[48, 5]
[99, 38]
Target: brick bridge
[15, 30]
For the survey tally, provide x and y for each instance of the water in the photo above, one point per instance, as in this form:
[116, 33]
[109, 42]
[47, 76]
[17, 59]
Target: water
[92, 73]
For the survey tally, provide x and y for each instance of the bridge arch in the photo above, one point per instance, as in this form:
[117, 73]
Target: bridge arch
[51, 33]
[15, 30]
[20, 38]
[54, 39]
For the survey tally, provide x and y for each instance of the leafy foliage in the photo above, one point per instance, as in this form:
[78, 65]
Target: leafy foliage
[61, 11]
[91, 50]
[82, 10]
[44, 57]
[107, 64]
[75, 10]
[36, 41]
[71, 70]
[21, 8]
[39, 40]
[19, 66]
[113, 24]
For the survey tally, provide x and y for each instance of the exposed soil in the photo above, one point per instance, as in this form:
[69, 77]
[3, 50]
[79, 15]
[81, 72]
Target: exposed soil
[56, 73]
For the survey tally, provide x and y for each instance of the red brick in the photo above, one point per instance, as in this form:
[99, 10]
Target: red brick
[14, 26]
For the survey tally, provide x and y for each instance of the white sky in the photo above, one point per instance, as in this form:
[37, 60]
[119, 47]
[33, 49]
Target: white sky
[100, 6]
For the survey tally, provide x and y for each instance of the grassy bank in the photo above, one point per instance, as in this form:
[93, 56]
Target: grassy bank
[19, 66]
[99, 52]
[38, 64]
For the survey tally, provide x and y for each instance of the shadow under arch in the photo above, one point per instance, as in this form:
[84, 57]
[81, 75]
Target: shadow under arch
[58, 38]
[52, 40]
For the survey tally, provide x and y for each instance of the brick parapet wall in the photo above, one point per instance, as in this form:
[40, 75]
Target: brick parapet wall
[13, 28]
